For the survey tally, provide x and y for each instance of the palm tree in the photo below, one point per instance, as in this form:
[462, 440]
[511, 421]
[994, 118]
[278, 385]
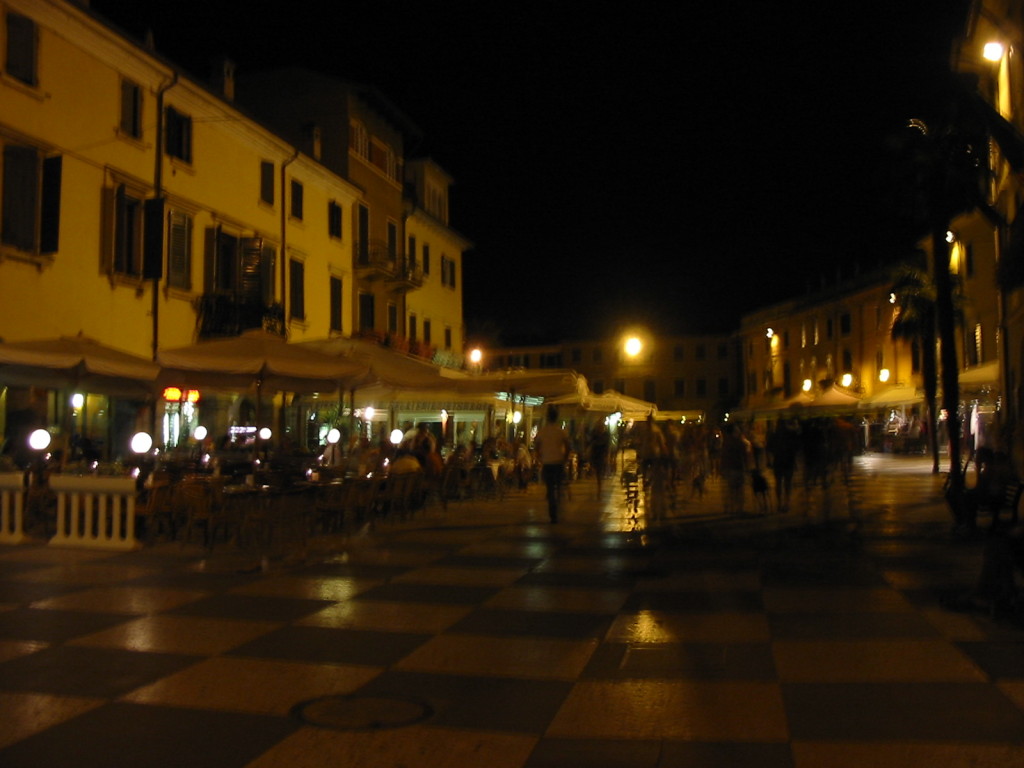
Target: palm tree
[915, 322]
[949, 163]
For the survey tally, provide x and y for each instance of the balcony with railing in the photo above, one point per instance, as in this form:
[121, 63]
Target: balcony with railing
[375, 260]
[408, 276]
[227, 314]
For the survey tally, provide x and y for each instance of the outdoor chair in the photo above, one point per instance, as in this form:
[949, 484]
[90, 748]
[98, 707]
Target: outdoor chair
[333, 507]
[202, 511]
[157, 511]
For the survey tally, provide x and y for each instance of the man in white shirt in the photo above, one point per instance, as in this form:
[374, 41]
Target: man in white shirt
[553, 446]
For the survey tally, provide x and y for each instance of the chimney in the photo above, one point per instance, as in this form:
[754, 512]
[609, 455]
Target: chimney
[313, 140]
[224, 77]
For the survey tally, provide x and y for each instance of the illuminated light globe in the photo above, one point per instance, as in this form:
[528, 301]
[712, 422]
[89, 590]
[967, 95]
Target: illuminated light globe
[200, 433]
[883, 375]
[517, 417]
[993, 51]
[396, 436]
[333, 435]
[266, 433]
[141, 442]
[368, 412]
[77, 401]
[39, 440]
[633, 346]
[807, 385]
[847, 379]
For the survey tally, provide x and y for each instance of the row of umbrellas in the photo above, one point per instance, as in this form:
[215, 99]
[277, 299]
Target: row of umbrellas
[259, 360]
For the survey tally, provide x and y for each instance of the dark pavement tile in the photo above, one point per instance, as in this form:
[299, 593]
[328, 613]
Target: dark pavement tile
[333, 646]
[610, 753]
[850, 626]
[999, 660]
[252, 607]
[694, 601]
[944, 712]
[503, 623]
[54, 626]
[690, 661]
[95, 672]
[548, 576]
[447, 594]
[24, 592]
[488, 703]
[122, 735]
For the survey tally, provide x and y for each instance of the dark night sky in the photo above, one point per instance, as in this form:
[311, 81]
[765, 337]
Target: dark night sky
[675, 165]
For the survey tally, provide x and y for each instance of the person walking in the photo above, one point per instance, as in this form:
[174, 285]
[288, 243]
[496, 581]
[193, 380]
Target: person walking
[552, 445]
[600, 443]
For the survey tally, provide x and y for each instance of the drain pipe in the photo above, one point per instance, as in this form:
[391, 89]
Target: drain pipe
[284, 269]
[158, 190]
[284, 238]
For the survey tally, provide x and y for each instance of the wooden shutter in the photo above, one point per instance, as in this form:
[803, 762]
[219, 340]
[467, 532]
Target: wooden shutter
[49, 226]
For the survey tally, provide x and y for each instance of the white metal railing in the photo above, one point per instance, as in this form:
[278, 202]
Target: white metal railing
[94, 512]
[12, 507]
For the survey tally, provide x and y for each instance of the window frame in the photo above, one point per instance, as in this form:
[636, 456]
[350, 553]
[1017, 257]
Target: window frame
[296, 289]
[130, 124]
[267, 182]
[180, 229]
[335, 218]
[177, 135]
[336, 303]
[21, 56]
[296, 201]
[126, 256]
[30, 201]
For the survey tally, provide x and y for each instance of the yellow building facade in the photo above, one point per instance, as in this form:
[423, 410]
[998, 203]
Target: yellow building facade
[147, 210]
[838, 337]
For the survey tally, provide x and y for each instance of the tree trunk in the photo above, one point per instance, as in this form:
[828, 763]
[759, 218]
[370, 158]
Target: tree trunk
[946, 326]
[930, 375]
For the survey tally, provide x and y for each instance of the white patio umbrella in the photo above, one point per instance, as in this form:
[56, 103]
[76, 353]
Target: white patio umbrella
[387, 368]
[76, 362]
[548, 384]
[257, 359]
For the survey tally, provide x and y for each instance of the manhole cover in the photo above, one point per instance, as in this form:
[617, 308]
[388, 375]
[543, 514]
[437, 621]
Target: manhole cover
[361, 713]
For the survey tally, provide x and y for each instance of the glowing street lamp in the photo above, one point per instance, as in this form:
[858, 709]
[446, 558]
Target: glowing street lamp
[39, 440]
[993, 51]
[633, 346]
[847, 379]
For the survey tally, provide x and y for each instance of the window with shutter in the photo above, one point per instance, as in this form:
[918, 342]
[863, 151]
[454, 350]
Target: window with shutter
[18, 216]
[335, 288]
[131, 109]
[296, 209]
[179, 250]
[20, 61]
[267, 182]
[297, 289]
[127, 233]
[334, 219]
[178, 141]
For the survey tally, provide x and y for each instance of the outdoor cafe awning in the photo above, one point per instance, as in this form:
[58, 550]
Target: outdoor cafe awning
[78, 362]
[258, 360]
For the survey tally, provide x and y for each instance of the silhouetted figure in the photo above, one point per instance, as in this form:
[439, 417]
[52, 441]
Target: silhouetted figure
[553, 446]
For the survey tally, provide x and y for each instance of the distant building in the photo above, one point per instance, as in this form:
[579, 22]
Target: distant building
[840, 337]
[698, 374]
[406, 284]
